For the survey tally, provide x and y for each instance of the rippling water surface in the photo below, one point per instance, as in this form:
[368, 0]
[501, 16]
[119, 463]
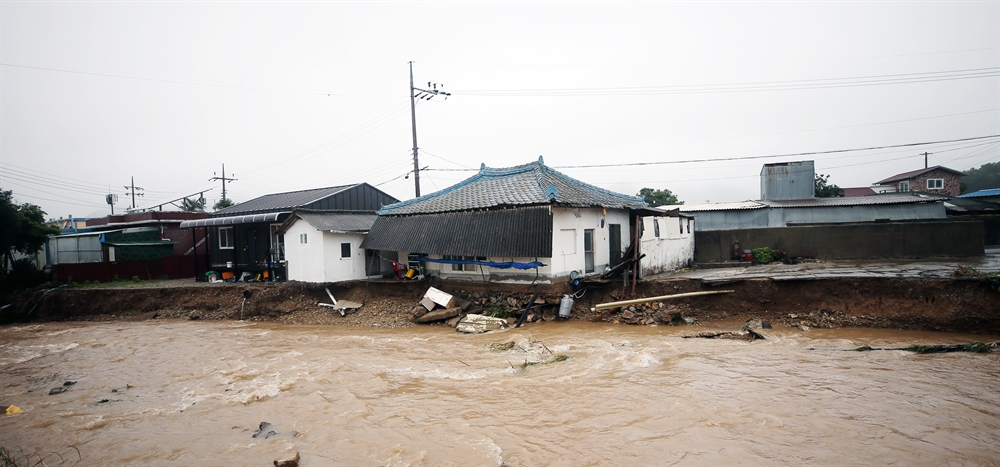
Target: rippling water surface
[194, 393]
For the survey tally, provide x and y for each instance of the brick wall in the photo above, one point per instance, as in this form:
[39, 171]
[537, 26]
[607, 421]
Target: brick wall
[951, 181]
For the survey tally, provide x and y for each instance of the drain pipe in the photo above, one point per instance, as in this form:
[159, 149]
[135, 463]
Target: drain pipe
[246, 295]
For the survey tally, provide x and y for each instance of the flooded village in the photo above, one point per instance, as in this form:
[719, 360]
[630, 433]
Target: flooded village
[343, 234]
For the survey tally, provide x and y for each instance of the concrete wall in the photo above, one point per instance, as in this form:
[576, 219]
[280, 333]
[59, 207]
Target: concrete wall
[848, 241]
[671, 250]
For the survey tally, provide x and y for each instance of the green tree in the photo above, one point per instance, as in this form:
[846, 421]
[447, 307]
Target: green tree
[193, 205]
[658, 197]
[825, 190]
[24, 230]
[223, 204]
[985, 177]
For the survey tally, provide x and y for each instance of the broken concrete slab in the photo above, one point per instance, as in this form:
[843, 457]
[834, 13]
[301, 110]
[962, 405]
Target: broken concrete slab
[475, 324]
[438, 315]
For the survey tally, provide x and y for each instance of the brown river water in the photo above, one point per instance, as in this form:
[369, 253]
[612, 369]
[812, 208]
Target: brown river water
[194, 393]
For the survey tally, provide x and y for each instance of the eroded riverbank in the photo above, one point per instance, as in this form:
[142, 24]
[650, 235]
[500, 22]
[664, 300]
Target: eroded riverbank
[956, 305]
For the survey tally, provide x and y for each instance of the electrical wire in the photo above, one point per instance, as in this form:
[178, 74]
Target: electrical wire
[755, 86]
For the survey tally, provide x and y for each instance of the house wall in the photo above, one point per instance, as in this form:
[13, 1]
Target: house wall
[305, 260]
[338, 268]
[951, 182]
[567, 248]
[851, 241]
[671, 250]
[568, 235]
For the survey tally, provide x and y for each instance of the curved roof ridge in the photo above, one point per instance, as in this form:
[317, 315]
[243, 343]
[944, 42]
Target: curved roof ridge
[527, 184]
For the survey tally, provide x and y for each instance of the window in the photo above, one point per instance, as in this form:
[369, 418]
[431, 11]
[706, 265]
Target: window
[345, 250]
[689, 225]
[680, 225]
[656, 228]
[226, 237]
[464, 267]
[588, 250]
[904, 186]
[303, 238]
[935, 183]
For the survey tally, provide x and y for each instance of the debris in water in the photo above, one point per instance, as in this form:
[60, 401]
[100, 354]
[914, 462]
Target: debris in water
[557, 358]
[746, 335]
[975, 347]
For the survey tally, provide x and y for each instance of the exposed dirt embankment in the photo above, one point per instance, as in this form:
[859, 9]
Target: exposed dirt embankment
[929, 304]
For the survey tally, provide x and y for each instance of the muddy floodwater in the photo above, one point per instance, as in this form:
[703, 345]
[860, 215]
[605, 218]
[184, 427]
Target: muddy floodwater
[194, 393]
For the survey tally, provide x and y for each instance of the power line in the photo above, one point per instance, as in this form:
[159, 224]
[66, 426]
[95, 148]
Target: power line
[755, 86]
[105, 75]
[740, 158]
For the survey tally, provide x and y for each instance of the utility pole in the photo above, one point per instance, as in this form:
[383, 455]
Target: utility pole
[427, 94]
[224, 180]
[925, 154]
[132, 191]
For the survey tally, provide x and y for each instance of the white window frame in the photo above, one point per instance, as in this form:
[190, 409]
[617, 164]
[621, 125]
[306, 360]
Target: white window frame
[938, 182]
[464, 267]
[226, 239]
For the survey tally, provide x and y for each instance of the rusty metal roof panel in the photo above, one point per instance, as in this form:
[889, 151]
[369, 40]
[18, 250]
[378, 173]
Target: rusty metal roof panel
[497, 233]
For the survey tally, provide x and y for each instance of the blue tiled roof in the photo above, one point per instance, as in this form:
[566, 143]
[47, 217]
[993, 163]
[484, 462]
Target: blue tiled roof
[987, 192]
[523, 185]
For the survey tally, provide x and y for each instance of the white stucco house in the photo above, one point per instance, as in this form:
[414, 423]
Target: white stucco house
[326, 247]
[521, 223]
[667, 241]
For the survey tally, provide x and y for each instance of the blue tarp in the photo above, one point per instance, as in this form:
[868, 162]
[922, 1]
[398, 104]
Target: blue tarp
[492, 264]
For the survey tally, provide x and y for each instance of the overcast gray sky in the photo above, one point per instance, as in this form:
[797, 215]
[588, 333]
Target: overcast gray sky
[307, 95]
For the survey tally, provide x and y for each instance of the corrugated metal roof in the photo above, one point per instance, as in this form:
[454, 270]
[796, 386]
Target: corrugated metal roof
[986, 192]
[729, 206]
[528, 184]
[885, 198]
[232, 220]
[497, 233]
[281, 201]
[338, 221]
[914, 173]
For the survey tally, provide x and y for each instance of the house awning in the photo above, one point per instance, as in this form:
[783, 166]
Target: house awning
[233, 220]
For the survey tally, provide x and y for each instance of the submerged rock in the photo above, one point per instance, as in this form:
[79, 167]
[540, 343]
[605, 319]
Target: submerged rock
[292, 461]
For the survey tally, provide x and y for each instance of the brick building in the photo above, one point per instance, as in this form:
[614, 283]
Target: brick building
[937, 180]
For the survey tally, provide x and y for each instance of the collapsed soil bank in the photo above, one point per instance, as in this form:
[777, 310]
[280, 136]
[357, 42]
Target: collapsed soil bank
[965, 305]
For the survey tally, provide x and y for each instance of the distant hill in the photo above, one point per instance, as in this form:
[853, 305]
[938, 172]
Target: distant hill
[987, 176]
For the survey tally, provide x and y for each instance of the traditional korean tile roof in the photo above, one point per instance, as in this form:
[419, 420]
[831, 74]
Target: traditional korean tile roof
[915, 173]
[280, 201]
[523, 185]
